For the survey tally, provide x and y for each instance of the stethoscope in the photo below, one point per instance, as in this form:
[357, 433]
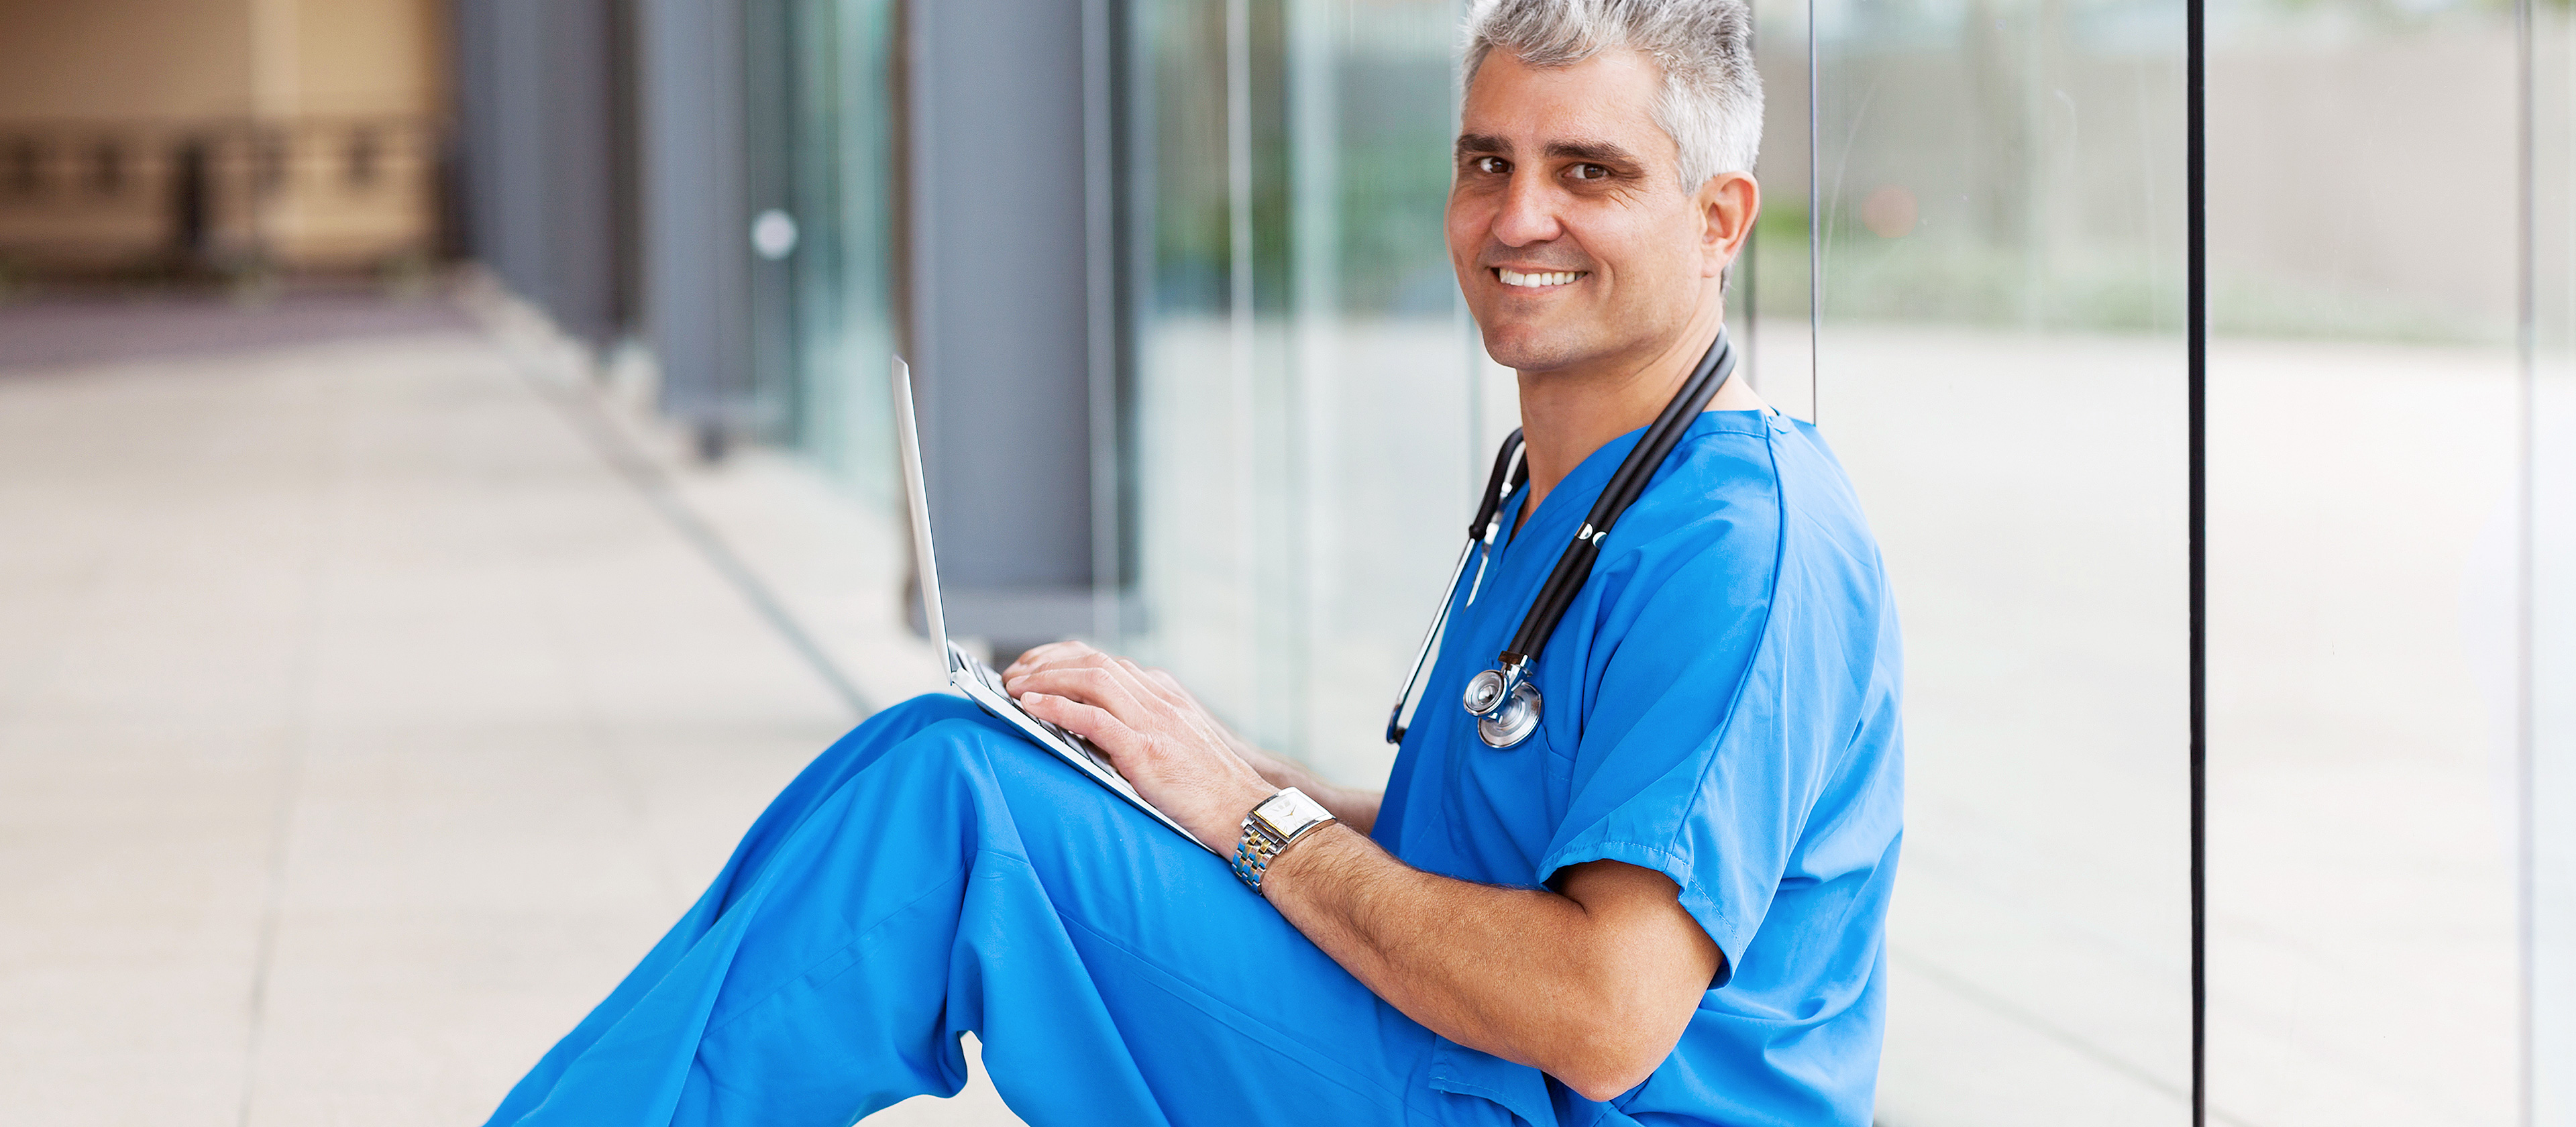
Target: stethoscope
[1502, 699]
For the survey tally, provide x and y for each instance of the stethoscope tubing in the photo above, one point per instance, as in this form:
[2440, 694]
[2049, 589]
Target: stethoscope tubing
[1573, 566]
[1627, 483]
[1422, 656]
[1509, 472]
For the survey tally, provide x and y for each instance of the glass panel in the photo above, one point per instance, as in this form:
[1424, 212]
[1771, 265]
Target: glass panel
[2362, 430]
[1769, 296]
[2002, 367]
[2549, 678]
[1301, 348]
[840, 173]
[1382, 352]
[1190, 405]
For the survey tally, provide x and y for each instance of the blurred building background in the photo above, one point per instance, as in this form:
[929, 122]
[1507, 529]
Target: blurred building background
[446, 484]
[153, 139]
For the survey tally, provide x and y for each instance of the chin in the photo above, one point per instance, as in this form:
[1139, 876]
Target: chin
[1529, 349]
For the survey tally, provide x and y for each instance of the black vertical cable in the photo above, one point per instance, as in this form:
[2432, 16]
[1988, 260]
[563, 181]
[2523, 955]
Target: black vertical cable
[2196, 309]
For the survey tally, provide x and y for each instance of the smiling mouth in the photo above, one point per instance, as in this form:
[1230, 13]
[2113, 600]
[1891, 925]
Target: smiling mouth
[1516, 279]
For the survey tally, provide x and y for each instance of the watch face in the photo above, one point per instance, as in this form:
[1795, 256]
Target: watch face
[1290, 811]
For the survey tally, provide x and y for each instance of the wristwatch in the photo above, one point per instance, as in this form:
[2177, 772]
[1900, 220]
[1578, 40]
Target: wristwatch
[1281, 820]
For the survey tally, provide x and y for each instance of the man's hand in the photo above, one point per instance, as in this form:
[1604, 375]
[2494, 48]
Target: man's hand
[1177, 756]
[1356, 807]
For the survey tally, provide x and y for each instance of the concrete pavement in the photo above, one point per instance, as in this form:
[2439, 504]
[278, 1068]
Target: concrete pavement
[360, 723]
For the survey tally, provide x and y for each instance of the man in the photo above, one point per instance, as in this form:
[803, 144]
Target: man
[1664, 905]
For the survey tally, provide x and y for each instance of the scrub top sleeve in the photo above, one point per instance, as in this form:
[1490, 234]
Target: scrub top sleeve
[1683, 766]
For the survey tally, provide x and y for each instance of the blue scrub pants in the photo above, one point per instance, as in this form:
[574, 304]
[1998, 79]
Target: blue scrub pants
[933, 874]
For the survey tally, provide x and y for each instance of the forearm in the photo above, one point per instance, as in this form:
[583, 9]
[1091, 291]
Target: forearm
[1525, 974]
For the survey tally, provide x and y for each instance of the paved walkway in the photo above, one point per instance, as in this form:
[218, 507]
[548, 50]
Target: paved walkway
[360, 723]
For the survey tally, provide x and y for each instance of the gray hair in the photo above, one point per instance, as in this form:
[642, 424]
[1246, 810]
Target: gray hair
[1711, 105]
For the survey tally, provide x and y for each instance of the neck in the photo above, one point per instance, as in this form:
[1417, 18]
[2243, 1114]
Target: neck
[1568, 413]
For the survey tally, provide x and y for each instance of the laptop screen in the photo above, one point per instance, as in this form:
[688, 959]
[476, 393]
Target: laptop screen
[908, 434]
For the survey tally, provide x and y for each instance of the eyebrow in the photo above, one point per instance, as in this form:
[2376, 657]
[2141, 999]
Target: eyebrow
[1599, 152]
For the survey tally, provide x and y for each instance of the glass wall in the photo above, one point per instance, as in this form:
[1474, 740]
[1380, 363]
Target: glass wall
[2549, 574]
[1303, 407]
[2363, 456]
[822, 185]
[1771, 293]
[1972, 271]
[841, 199]
[2001, 364]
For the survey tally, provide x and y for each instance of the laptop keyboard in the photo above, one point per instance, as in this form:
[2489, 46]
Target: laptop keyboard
[993, 681]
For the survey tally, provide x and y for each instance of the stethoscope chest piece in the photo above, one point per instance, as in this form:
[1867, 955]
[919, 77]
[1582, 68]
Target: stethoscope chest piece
[1507, 724]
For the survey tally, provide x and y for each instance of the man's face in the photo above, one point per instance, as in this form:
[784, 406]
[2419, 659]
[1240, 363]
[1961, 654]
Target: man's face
[1568, 225]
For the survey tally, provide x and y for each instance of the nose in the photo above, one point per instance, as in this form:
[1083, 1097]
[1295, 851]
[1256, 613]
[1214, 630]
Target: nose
[1529, 212]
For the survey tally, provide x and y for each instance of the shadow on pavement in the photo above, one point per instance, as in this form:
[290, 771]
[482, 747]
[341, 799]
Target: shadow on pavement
[50, 332]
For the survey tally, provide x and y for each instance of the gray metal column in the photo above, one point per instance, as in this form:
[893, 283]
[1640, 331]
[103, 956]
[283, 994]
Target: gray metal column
[1002, 313]
[696, 242]
[538, 89]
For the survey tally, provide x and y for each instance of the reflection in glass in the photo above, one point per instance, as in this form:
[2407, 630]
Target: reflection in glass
[2001, 366]
[1301, 408]
[836, 57]
[2362, 438]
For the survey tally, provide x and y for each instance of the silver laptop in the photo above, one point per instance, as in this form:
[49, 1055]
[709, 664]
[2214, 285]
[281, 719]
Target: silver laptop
[967, 672]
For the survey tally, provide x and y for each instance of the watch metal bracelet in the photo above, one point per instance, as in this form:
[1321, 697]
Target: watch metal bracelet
[1280, 821]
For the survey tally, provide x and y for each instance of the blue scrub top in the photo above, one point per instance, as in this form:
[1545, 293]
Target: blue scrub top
[1720, 705]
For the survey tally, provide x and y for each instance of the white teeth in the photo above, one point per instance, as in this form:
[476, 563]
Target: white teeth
[1534, 281]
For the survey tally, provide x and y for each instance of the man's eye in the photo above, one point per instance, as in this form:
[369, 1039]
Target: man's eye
[1588, 172]
[1492, 166]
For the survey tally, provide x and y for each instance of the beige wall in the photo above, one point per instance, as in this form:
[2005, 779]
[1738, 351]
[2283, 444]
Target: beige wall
[316, 82]
[367, 56]
[124, 59]
[161, 59]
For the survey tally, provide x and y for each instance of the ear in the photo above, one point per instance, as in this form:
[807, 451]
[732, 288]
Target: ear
[1727, 204]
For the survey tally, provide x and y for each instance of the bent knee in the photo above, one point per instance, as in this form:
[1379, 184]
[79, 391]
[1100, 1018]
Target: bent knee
[888, 727]
[901, 721]
[968, 738]
[980, 753]
[923, 711]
